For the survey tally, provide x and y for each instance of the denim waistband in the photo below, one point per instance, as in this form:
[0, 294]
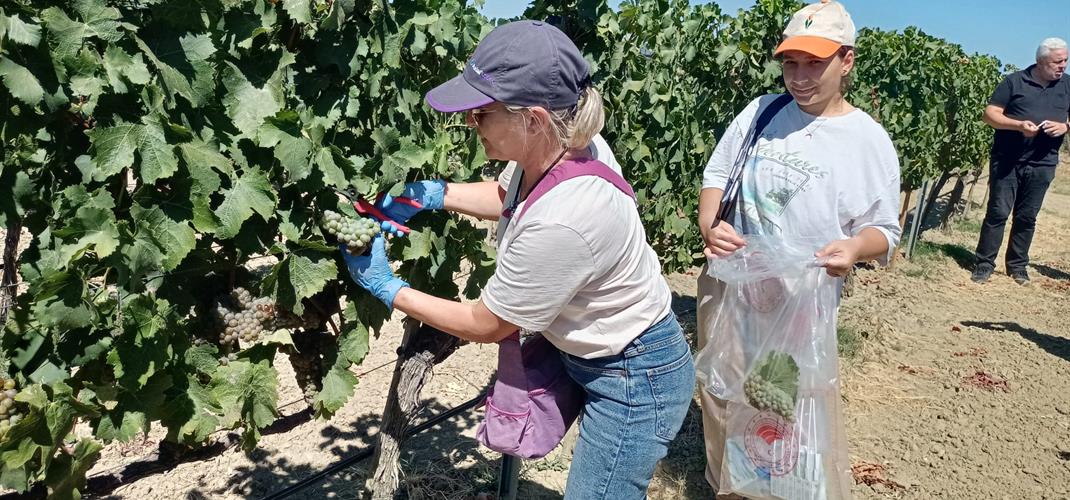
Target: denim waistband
[664, 333]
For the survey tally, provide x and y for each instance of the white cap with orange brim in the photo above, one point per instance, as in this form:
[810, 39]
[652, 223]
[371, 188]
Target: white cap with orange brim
[819, 29]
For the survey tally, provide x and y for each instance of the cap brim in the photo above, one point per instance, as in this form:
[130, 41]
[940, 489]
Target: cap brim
[456, 95]
[813, 45]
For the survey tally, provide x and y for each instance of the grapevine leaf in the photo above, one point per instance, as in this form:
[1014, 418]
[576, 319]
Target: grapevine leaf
[18, 456]
[95, 228]
[300, 275]
[174, 239]
[780, 369]
[332, 174]
[64, 33]
[299, 10]
[19, 31]
[183, 63]
[247, 393]
[203, 358]
[144, 347]
[280, 338]
[66, 474]
[158, 159]
[113, 148]
[283, 133]
[192, 414]
[202, 155]
[21, 82]
[132, 411]
[121, 425]
[338, 385]
[48, 373]
[119, 66]
[60, 302]
[418, 245]
[353, 346]
[247, 105]
[250, 193]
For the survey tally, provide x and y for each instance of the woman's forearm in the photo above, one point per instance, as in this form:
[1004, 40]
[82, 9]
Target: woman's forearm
[872, 244]
[472, 322]
[709, 201]
[478, 199]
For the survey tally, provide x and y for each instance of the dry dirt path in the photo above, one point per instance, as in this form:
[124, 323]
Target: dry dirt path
[911, 414]
[910, 402]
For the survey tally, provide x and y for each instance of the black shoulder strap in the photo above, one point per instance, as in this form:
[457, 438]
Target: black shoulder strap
[731, 190]
[767, 116]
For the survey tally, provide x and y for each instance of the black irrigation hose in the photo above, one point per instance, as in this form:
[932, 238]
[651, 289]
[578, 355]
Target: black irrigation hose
[364, 454]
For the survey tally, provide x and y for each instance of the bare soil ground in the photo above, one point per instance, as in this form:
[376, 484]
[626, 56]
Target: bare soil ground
[951, 390]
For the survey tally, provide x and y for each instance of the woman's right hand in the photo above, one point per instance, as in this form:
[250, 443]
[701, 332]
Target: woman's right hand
[414, 198]
[721, 240]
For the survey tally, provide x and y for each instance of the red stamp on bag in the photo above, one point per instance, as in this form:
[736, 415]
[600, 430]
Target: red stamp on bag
[771, 443]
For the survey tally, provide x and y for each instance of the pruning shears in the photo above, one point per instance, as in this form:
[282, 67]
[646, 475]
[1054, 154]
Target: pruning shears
[362, 207]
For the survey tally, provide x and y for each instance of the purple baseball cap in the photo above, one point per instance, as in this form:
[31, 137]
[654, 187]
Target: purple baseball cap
[523, 63]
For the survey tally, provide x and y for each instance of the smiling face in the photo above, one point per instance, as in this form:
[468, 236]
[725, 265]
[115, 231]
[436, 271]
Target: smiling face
[814, 82]
[1053, 66]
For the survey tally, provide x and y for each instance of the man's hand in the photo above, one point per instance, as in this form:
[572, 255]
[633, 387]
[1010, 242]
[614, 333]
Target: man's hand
[1054, 129]
[1028, 128]
[721, 241]
[839, 257]
[372, 272]
[416, 197]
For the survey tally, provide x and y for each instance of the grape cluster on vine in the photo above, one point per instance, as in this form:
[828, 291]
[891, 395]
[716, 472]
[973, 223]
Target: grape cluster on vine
[306, 372]
[247, 317]
[10, 413]
[354, 232]
[764, 395]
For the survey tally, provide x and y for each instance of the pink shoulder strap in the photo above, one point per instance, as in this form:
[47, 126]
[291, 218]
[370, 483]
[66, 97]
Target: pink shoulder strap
[576, 168]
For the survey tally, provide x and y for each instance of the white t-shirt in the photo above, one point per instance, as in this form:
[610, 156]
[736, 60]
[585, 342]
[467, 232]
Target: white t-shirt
[812, 177]
[578, 268]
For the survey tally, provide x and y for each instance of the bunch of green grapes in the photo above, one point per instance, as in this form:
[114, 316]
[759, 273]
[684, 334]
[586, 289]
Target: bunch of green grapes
[10, 413]
[764, 395]
[355, 233]
[245, 317]
[306, 373]
[247, 321]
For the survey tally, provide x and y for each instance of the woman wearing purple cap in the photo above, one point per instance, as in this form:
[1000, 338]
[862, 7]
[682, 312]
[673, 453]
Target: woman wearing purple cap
[821, 170]
[573, 263]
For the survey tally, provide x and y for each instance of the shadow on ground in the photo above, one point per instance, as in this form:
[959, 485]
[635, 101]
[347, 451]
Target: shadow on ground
[1050, 272]
[440, 463]
[1056, 346]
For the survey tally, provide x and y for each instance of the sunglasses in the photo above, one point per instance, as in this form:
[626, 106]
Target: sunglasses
[478, 113]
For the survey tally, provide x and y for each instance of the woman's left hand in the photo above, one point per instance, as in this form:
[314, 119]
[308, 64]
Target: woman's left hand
[371, 270]
[839, 257]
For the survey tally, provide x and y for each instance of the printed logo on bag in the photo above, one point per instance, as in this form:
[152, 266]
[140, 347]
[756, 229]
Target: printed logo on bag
[771, 444]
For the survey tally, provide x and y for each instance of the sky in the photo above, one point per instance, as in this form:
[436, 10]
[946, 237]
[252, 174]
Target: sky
[998, 27]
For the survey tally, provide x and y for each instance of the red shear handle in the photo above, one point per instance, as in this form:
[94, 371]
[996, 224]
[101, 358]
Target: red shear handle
[364, 208]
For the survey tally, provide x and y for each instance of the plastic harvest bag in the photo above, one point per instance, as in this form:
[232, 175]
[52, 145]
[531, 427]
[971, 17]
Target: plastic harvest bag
[772, 357]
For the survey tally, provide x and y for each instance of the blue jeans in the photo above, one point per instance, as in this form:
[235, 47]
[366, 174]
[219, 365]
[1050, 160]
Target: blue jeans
[636, 403]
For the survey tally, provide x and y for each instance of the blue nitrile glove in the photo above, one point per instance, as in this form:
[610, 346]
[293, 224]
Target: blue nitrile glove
[416, 197]
[371, 270]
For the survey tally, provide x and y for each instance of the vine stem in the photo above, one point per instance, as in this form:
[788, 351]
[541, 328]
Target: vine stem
[8, 282]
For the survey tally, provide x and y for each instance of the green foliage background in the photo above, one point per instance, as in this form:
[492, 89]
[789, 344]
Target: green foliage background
[154, 147]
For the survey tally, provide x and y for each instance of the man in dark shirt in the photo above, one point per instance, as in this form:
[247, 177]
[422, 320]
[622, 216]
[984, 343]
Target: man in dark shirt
[1029, 111]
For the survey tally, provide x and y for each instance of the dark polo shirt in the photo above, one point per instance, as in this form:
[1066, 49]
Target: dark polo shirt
[1023, 98]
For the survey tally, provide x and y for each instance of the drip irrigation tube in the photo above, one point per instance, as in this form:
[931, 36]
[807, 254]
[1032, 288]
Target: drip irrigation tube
[364, 454]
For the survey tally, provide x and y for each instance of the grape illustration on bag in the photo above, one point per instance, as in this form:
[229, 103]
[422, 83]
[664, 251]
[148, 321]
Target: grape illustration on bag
[774, 385]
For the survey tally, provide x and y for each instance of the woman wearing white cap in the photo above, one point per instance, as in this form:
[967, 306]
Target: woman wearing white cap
[573, 263]
[821, 169]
